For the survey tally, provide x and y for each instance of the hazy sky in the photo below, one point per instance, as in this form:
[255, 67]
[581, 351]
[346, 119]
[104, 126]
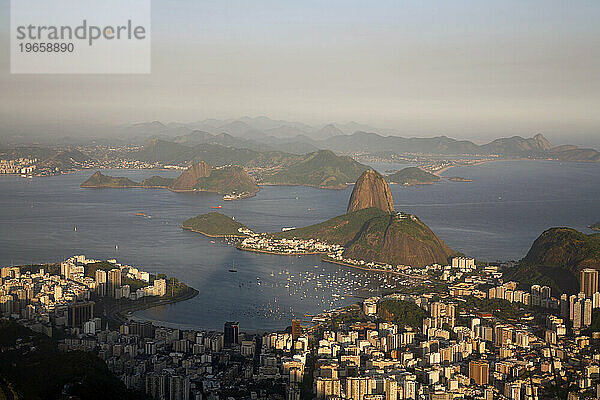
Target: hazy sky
[467, 69]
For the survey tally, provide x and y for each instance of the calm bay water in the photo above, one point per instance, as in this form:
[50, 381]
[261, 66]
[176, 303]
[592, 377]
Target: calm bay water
[496, 217]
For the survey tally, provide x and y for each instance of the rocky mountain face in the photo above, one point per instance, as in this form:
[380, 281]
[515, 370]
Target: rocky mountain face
[188, 179]
[371, 190]
[228, 180]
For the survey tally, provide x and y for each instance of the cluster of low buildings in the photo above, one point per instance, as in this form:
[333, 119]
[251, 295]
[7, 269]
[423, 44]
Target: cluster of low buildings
[265, 243]
[23, 166]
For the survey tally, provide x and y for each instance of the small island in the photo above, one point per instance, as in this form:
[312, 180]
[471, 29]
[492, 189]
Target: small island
[411, 176]
[99, 180]
[215, 224]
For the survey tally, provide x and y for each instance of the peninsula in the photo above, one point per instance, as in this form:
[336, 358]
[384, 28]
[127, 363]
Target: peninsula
[215, 224]
[370, 232]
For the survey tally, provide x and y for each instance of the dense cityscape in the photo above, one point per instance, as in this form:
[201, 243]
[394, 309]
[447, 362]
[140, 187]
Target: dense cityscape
[295, 200]
[480, 337]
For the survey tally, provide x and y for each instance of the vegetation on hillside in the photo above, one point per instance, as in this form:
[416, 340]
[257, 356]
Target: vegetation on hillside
[371, 234]
[158, 181]
[99, 180]
[401, 312]
[500, 308]
[227, 180]
[322, 169]
[556, 257]
[412, 176]
[214, 224]
[557, 278]
[338, 230]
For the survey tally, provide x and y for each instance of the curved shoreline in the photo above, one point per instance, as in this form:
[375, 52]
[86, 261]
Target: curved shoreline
[277, 253]
[117, 313]
[212, 236]
[385, 271]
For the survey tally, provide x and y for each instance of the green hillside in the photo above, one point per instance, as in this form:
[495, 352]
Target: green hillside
[373, 235]
[214, 224]
[322, 169]
[158, 182]
[226, 180]
[338, 230]
[556, 257]
[98, 180]
[412, 176]
[401, 312]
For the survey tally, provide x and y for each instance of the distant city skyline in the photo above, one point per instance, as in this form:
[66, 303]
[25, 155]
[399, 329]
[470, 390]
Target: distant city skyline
[466, 69]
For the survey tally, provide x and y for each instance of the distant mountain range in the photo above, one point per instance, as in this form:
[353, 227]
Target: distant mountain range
[323, 168]
[267, 135]
[263, 134]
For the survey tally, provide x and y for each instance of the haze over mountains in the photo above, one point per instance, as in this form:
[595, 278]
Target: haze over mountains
[265, 134]
[262, 134]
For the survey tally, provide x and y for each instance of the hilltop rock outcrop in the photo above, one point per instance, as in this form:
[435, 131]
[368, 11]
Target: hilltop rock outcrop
[371, 190]
[188, 179]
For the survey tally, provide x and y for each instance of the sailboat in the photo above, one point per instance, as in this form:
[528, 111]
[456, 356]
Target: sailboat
[232, 269]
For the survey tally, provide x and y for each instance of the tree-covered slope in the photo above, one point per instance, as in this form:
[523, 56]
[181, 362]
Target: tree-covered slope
[556, 258]
[322, 169]
[373, 235]
[214, 224]
[98, 180]
[412, 176]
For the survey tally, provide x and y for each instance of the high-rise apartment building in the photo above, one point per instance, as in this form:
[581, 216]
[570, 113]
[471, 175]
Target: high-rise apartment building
[479, 372]
[231, 333]
[588, 278]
